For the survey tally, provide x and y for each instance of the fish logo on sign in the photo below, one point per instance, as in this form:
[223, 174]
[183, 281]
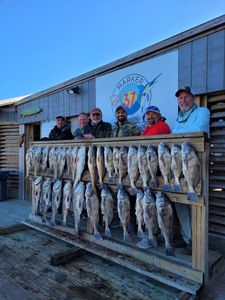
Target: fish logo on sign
[134, 92]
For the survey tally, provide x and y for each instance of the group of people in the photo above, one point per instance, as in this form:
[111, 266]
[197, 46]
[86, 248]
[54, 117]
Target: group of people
[191, 118]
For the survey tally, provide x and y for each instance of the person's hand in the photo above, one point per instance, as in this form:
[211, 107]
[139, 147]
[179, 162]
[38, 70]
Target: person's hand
[88, 136]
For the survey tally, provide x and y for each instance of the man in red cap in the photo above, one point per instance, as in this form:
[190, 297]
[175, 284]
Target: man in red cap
[96, 128]
[155, 122]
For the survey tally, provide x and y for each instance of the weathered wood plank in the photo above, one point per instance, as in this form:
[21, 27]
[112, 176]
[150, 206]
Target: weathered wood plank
[66, 256]
[140, 267]
[12, 229]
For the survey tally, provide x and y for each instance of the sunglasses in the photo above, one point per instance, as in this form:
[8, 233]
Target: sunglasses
[96, 114]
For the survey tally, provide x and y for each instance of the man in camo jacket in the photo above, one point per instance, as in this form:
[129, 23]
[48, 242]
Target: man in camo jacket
[122, 127]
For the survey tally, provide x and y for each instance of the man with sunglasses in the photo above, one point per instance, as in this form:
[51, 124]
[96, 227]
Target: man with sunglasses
[96, 128]
[191, 118]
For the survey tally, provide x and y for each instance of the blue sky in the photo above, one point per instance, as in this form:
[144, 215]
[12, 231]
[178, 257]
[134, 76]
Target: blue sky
[46, 42]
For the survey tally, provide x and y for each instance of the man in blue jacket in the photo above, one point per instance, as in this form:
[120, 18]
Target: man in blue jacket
[191, 118]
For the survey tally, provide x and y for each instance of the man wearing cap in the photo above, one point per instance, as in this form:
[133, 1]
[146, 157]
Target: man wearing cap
[191, 118]
[155, 122]
[122, 127]
[61, 131]
[96, 128]
[83, 120]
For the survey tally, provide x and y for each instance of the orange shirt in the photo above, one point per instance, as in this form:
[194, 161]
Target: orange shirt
[158, 128]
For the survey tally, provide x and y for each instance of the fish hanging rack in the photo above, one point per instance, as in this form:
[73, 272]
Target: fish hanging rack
[192, 270]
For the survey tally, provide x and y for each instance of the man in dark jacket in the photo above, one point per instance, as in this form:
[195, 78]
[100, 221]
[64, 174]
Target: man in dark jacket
[96, 128]
[61, 131]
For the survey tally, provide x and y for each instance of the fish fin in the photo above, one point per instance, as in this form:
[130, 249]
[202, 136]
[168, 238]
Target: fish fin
[140, 234]
[152, 242]
[52, 222]
[153, 183]
[126, 237]
[64, 223]
[108, 233]
[97, 237]
[192, 196]
[170, 251]
[177, 188]
[166, 187]
[143, 244]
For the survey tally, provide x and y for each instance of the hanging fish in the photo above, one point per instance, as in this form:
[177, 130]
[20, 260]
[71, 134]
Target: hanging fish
[164, 165]
[152, 159]
[165, 220]
[123, 208]
[37, 184]
[55, 163]
[37, 160]
[100, 164]
[191, 169]
[107, 209]
[108, 157]
[78, 204]
[44, 159]
[61, 161]
[73, 162]
[143, 165]
[68, 158]
[80, 164]
[139, 212]
[92, 166]
[92, 205]
[150, 220]
[29, 160]
[176, 166]
[132, 167]
[56, 199]
[122, 165]
[67, 196]
[51, 158]
[116, 152]
[46, 197]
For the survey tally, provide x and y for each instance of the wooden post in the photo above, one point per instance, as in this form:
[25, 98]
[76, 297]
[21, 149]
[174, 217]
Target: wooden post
[22, 154]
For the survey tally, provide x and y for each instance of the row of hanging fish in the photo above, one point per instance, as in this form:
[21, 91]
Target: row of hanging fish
[59, 159]
[149, 211]
[138, 162]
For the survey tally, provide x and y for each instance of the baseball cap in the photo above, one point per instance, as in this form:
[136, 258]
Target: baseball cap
[152, 108]
[121, 106]
[96, 109]
[186, 89]
[61, 117]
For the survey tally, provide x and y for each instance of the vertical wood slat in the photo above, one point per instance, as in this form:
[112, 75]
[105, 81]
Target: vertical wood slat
[216, 61]
[200, 224]
[199, 65]
[185, 65]
[22, 165]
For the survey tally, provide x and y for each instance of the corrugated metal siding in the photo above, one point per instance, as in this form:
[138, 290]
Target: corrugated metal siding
[216, 105]
[61, 103]
[202, 63]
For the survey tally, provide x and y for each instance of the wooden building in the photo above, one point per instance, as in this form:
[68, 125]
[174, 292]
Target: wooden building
[9, 145]
[201, 65]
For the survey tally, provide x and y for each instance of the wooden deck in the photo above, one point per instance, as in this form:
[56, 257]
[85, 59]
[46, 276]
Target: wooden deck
[26, 273]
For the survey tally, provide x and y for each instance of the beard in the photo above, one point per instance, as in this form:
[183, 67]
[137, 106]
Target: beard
[122, 119]
[151, 122]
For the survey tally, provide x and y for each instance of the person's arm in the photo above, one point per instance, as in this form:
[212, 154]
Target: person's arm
[108, 131]
[202, 120]
[135, 131]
